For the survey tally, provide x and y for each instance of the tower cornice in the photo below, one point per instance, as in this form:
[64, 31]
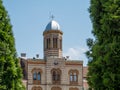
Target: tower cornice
[52, 31]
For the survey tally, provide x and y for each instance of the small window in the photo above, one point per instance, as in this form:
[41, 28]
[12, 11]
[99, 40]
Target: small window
[54, 42]
[61, 44]
[39, 76]
[56, 76]
[34, 75]
[73, 74]
[48, 43]
[71, 77]
[56, 73]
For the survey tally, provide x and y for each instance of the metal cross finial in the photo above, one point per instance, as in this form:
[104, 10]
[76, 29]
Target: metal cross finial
[52, 17]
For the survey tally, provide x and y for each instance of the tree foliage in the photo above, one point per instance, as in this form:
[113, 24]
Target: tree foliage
[104, 51]
[10, 71]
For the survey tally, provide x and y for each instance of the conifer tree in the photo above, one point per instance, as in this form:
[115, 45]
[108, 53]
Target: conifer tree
[10, 71]
[104, 51]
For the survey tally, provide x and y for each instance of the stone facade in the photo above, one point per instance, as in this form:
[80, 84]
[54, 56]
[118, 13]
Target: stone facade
[54, 72]
[46, 82]
[85, 82]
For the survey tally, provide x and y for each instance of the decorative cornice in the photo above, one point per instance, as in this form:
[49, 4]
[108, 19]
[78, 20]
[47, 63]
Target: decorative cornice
[59, 84]
[74, 63]
[36, 62]
[52, 31]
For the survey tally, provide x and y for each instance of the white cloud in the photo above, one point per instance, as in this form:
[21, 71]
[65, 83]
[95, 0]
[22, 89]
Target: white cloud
[76, 53]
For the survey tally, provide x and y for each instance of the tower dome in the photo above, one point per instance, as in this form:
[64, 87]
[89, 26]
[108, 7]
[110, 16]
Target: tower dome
[52, 40]
[52, 25]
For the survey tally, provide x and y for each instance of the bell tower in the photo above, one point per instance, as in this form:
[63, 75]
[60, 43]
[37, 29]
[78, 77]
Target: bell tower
[52, 40]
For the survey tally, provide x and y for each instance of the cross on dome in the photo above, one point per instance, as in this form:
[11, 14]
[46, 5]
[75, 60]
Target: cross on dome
[52, 25]
[52, 17]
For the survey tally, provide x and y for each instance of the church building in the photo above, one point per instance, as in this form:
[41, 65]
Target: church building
[53, 72]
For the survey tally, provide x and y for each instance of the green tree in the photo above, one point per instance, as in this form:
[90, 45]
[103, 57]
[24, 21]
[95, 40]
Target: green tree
[104, 51]
[10, 71]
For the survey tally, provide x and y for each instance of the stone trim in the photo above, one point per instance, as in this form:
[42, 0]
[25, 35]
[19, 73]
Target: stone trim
[36, 62]
[59, 84]
[52, 31]
[73, 77]
[37, 70]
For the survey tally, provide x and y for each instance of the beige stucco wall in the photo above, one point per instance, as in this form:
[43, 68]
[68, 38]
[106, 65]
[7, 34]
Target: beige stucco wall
[46, 77]
[37, 66]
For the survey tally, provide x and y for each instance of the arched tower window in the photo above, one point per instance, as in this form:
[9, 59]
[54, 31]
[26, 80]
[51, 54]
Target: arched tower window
[56, 75]
[73, 75]
[61, 44]
[48, 43]
[55, 43]
[52, 40]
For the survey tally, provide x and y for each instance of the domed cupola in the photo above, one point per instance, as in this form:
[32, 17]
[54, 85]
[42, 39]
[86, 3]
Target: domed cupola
[52, 40]
[52, 25]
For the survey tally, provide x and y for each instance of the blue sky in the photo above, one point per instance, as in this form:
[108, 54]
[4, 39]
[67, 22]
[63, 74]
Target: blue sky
[30, 17]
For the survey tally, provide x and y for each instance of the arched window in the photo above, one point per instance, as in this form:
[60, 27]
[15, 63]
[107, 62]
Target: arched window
[73, 74]
[36, 88]
[39, 88]
[54, 42]
[48, 43]
[36, 76]
[71, 77]
[39, 76]
[56, 76]
[56, 73]
[56, 88]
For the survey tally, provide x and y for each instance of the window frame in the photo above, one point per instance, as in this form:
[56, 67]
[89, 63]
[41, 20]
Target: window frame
[73, 76]
[38, 73]
[56, 76]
